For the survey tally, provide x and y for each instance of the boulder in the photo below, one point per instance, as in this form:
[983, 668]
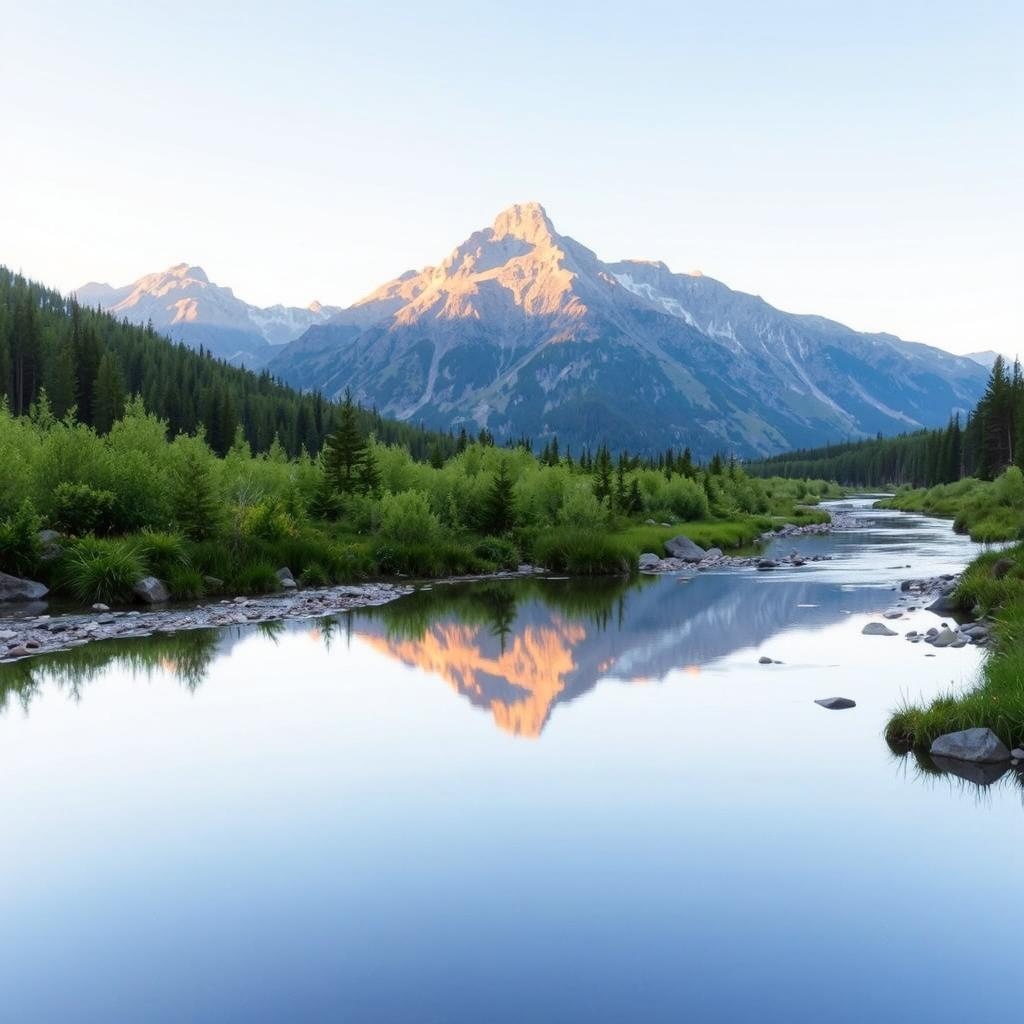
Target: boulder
[942, 604]
[836, 703]
[767, 563]
[285, 578]
[713, 553]
[647, 559]
[764, 660]
[878, 629]
[150, 590]
[980, 745]
[14, 588]
[1000, 567]
[684, 549]
[944, 638]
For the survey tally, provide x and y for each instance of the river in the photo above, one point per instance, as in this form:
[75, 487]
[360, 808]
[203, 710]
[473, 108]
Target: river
[535, 800]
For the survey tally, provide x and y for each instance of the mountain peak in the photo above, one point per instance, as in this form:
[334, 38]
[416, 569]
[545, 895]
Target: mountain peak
[528, 222]
[186, 270]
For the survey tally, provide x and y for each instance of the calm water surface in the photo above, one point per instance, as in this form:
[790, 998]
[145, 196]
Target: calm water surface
[529, 801]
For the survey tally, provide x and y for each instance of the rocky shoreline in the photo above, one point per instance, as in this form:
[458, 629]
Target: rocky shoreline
[687, 557]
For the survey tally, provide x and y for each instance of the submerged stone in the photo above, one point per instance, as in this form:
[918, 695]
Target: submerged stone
[878, 629]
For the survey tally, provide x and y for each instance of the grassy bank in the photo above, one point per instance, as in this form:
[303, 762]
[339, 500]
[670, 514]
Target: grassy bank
[993, 585]
[986, 510]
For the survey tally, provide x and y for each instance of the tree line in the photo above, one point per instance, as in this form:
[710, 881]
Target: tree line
[984, 444]
[89, 363]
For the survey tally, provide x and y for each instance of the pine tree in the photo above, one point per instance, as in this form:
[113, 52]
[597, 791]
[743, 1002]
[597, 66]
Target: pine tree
[107, 394]
[346, 455]
[498, 511]
[603, 474]
[194, 498]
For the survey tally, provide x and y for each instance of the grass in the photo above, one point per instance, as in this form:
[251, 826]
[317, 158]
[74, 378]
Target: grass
[997, 702]
[101, 570]
[584, 552]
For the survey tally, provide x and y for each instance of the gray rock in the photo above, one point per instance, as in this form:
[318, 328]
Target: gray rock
[647, 559]
[683, 548]
[942, 604]
[7, 634]
[100, 607]
[979, 744]
[892, 613]
[285, 578]
[944, 638]
[767, 563]
[213, 582]
[981, 774]
[18, 652]
[878, 629]
[836, 703]
[713, 553]
[764, 661]
[150, 590]
[14, 588]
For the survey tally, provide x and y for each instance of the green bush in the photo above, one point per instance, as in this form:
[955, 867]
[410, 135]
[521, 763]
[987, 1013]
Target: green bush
[266, 521]
[186, 583]
[20, 547]
[256, 578]
[101, 570]
[406, 518]
[79, 509]
[315, 575]
[583, 553]
[162, 553]
[499, 551]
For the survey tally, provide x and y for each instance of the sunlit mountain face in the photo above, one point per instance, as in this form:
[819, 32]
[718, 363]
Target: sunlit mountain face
[526, 331]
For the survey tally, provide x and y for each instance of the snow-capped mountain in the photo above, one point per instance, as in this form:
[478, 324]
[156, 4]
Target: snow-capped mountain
[526, 331]
[185, 305]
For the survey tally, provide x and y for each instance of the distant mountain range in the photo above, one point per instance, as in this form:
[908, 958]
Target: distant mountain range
[525, 331]
[183, 304]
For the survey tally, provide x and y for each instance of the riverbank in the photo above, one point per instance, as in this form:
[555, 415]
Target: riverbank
[32, 631]
[986, 510]
[992, 587]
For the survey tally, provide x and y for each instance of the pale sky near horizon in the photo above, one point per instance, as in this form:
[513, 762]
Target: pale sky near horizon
[861, 161]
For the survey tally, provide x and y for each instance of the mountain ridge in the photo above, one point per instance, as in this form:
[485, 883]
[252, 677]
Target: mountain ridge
[526, 331]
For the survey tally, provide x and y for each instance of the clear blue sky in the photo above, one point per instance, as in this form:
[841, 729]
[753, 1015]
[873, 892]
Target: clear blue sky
[859, 160]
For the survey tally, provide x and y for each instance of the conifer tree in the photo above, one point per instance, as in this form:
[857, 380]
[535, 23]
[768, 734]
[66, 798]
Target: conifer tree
[108, 393]
[346, 462]
[498, 511]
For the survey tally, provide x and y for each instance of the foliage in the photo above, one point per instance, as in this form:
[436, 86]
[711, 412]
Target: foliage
[79, 509]
[20, 547]
[101, 570]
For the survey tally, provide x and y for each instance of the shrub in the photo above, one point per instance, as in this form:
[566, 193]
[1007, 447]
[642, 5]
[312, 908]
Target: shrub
[314, 575]
[581, 509]
[267, 520]
[162, 553]
[499, 551]
[407, 518]
[186, 583]
[79, 509]
[256, 578]
[101, 570]
[20, 547]
[582, 553]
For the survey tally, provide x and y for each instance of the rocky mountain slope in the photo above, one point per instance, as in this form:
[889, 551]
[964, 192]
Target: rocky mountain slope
[185, 305]
[526, 331]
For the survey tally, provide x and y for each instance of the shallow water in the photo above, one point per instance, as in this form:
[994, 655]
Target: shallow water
[536, 800]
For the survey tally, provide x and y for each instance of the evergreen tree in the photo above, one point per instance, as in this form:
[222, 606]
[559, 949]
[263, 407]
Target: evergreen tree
[107, 394]
[346, 459]
[603, 474]
[498, 514]
[194, 497]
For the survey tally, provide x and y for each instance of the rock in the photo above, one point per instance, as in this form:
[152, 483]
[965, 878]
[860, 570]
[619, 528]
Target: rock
[713, 553]
[943, 603]
[878, 629]
[48, 536]
[51, 549]
[14, 588]
[980, 745]
[213, 583]
[767, 563]
[1017, 754]
[150, 590]
[836, 703]
[647, 559]
[18, 652]
[1000, 568]
[683, 548]
[892, 613]
[944, 638]
[285, 578]
[764, 661]
[100, 607]
[650, 522]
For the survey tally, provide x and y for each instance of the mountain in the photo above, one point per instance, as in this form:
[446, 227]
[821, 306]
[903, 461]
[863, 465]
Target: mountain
[526, 331]
[186, 306]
